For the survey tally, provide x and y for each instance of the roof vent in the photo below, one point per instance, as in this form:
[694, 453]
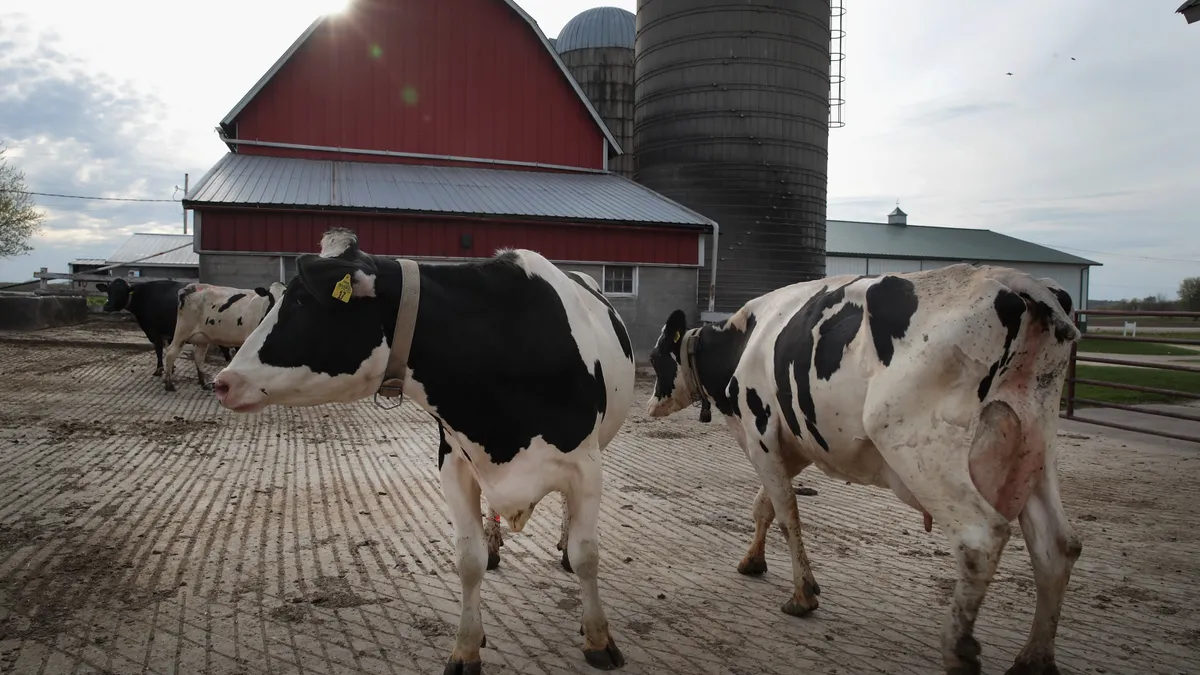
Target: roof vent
[897, 217]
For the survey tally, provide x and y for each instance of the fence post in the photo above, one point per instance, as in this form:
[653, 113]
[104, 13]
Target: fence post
[1071, 374]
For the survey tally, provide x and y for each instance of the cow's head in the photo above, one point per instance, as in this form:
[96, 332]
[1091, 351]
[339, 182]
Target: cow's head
[118, 294]
[672, 392]
[326, 340]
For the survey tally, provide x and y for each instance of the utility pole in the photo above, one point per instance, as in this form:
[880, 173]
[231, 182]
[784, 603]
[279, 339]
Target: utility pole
[185, 189]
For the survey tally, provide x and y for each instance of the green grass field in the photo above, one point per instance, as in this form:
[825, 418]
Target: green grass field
[1139, 348]
[1145, 377]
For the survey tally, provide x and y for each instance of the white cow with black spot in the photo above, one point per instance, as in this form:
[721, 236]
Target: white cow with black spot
[215, 315]
[942, 386]
[528, 372]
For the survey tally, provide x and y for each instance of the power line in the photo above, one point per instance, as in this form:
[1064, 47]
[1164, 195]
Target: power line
[102, 199]
[1134, 257]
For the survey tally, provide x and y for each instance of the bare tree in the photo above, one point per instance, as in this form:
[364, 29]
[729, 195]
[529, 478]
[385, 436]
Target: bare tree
[1189, 294]
[19, 218]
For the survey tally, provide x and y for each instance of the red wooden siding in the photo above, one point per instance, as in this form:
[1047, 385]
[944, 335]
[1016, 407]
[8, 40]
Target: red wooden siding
[300, 232]
[453, 77]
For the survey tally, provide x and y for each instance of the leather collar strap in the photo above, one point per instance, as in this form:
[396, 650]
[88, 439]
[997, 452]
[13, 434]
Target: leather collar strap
[688, 350]
[406, 322]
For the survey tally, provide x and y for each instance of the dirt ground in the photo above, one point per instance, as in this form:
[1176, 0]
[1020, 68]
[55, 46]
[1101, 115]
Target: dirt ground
[147, 532]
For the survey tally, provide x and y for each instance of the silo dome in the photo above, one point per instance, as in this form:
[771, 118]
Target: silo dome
[597, 47]
[597, 28]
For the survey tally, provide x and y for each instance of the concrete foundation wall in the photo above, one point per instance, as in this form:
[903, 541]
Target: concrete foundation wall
[33, 312]
[660, 291]
[242, 271]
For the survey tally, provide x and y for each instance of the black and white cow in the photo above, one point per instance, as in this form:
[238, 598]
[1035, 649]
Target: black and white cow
[942, 386]
[154, 304]
[215, 315]
[528, 372]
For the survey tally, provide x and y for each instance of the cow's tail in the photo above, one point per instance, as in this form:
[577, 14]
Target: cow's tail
[185, 292]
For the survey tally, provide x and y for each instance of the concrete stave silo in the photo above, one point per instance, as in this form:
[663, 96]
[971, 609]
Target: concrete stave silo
[597, 47]
[732, 120]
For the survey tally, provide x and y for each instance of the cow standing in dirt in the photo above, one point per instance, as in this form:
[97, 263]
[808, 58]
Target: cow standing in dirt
[155, 306]
[215, 315]
[942, 386]
[528, 373]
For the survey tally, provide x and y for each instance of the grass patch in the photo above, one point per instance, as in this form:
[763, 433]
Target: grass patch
[1139, 348]
[95, 301]
[1143, 377]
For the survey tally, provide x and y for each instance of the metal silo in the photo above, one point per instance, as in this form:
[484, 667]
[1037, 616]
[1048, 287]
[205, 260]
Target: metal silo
[597, 47]
[732, 120]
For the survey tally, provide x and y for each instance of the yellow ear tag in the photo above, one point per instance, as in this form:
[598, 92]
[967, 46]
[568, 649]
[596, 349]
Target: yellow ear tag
[676, 336]
[343, 288]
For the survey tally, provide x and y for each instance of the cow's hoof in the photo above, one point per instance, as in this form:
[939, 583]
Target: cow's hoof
[169, 387]
[157, 373]
[566, 562]
[967, 651]
[805, 602]
[1038, 667]
[483, 642]
[463, 668]
[493, 560]
[609, 658]
[752, 567]
[206, 386]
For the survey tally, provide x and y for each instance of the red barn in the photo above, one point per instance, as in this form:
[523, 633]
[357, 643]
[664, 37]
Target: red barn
[438, 131]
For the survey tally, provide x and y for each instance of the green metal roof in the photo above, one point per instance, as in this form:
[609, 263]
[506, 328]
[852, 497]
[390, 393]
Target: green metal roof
[880, 240]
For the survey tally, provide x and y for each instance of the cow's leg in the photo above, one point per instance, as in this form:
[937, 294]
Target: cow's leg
[755, 561]
[199, 353]
[169, 364]
[766, 455]
[462, 499]
[1053, 549]
[564, 535]
[494, 537]
[583, 501]
[929, 445]
[158, 355]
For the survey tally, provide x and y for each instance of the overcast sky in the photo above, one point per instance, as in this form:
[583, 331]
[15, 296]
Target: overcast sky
[1090, 145]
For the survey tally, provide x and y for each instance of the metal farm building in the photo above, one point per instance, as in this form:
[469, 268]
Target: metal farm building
[438, 131]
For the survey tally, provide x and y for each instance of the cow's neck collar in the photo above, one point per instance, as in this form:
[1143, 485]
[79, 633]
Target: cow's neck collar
[406, 322]
[689, 353]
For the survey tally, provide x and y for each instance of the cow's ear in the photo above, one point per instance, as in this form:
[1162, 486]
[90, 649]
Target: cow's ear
[329, 280]
[676, 327]
[102, 287]
[262, 292]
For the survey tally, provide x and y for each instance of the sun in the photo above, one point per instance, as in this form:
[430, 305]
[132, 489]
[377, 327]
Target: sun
[325, 7]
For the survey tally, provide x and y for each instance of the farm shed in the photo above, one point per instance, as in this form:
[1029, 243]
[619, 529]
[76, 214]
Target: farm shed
[854, 247]
[440, 132]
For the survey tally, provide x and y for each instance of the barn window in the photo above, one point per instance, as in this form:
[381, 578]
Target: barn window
[620, 280]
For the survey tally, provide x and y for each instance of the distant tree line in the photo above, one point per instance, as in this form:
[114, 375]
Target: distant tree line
[1188, 300]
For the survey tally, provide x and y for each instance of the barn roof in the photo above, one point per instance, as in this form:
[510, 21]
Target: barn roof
[880, 240]
[546, 43]
[143, 244]
[284, 182]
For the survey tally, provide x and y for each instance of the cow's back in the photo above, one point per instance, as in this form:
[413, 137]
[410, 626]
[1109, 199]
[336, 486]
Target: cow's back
[155, 306]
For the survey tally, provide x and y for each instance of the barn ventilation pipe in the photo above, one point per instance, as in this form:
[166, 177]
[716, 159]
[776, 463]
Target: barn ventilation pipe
[712, 278]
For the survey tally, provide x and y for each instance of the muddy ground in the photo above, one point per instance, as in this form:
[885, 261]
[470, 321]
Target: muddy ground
[147, 532]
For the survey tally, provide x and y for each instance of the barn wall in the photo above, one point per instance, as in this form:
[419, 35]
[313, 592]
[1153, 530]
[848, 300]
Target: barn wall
[300, 232]
[835, 265]
[466, 78]
[1073, 278]
[661, 290]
